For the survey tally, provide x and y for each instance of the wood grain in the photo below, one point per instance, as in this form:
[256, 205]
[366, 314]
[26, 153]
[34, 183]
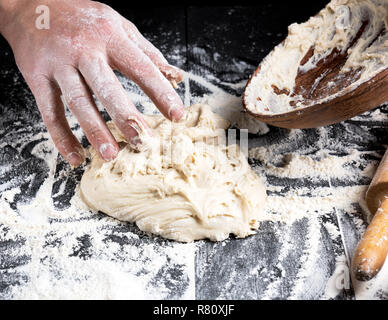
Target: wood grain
[326, 79]
[372, 250]
[367, 96]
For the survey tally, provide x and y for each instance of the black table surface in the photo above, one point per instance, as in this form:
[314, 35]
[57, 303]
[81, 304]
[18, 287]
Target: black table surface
[190, 36]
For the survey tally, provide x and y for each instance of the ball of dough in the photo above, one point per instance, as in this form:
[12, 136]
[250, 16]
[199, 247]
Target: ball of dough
[184, 184]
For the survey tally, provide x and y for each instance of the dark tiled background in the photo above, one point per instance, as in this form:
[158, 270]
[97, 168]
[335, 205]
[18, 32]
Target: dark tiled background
[203, 41]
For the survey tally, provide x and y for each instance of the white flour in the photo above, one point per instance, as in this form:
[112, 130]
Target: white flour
[56, 272]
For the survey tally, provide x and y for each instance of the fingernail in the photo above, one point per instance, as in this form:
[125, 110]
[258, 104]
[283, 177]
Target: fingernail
[173, 73]
[108, 151]
[134, 139]
[176, 114]
[74, 158]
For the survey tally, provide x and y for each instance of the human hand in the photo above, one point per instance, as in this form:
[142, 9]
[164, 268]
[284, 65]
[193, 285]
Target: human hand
[76, 56]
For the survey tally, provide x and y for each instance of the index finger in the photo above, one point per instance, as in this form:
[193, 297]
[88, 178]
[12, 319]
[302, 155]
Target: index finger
[173, 74]
[105, 85]
[127, 58]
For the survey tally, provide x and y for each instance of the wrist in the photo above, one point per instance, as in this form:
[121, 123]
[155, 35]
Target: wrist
[8, 10]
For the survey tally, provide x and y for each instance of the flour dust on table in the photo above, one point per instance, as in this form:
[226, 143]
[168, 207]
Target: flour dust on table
[53, 246]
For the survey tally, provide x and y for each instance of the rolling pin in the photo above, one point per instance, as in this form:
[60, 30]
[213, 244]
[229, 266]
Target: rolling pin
[372, 250]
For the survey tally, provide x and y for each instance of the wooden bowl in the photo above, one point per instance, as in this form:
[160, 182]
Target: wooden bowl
[323, 102]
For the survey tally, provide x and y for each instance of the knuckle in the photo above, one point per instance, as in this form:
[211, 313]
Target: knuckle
[62, 142]
[98, 83]
[36, 77]
[106, 88]
[103, 8]
[94, 132]
[84, 60]
[104, 27]
[131, 26]
[113, 42]
[49, 118]
[76, 98]
[38, 83]
[91, 63]
[107, 21]
[110, 94]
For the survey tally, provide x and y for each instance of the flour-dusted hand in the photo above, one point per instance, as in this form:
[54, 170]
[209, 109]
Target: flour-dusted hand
[75, 56]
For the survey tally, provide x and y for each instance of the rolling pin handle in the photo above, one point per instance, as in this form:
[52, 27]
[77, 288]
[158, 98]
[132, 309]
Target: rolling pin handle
[372, 250]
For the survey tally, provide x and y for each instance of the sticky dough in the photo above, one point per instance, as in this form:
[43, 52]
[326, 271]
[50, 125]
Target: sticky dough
[184, 184]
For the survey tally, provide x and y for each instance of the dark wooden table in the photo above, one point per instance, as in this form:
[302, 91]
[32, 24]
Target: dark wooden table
[227, 43]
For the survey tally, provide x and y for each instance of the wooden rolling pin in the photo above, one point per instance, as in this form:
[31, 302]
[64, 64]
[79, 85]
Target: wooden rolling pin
[372, 250]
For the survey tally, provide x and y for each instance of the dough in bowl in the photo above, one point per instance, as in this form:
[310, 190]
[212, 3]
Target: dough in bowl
[184, 184]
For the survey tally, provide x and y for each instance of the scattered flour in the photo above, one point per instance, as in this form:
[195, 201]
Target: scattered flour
[52, 239]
